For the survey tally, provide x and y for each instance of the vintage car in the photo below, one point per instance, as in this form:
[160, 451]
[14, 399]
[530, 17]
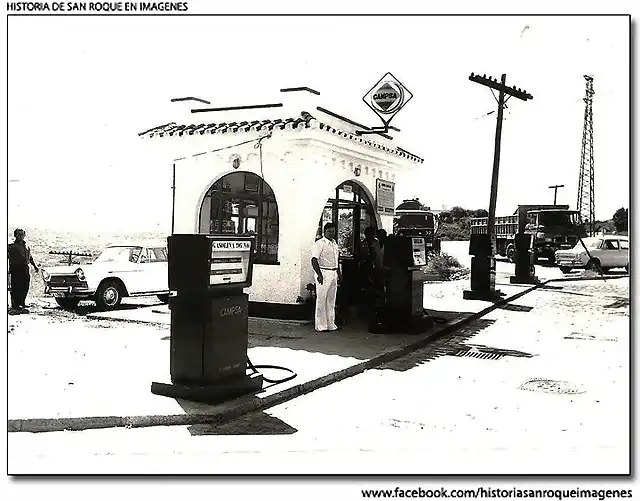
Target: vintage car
[137, 269]
[607, 251]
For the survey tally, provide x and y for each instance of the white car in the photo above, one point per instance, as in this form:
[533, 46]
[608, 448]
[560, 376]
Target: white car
[138, 269]
[607, 251]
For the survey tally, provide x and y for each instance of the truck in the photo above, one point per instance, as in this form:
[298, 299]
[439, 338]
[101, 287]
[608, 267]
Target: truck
[554, 227]
[414, 218]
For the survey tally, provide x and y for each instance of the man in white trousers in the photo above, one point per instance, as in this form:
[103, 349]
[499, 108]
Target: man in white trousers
[324, 259]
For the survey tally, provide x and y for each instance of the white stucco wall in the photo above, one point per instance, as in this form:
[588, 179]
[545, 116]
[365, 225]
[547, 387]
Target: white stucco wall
[303, 167]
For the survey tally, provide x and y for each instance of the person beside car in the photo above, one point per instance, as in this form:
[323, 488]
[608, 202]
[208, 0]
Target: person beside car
[19, 259]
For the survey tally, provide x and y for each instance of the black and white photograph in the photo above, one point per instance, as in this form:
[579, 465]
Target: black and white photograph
[319, 245]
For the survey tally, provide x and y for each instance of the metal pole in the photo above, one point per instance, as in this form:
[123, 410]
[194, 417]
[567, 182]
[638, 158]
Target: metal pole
[555, 191]
[173, 201]
[496, 165]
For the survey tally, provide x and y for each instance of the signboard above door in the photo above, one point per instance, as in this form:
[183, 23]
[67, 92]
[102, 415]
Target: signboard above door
[385, 197]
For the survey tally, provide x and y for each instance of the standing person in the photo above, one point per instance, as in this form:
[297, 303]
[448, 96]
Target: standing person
[381, 234]
[371, 256]
[324, 259]
[371, 273]
[19, 259]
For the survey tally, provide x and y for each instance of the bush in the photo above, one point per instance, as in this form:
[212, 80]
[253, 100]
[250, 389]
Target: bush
[459, 230]
[446, 267]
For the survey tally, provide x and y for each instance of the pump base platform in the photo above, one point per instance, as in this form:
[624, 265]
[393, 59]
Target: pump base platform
[524, 280]
[420, 325]
[213, 393]
[485, 295]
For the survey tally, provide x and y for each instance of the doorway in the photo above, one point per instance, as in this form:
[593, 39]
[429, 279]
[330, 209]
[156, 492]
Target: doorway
[351, 210]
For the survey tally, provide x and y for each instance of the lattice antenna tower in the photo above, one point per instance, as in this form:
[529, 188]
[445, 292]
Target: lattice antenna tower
[586, 195]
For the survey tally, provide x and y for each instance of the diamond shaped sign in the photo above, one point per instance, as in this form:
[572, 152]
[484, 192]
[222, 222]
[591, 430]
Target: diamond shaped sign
[387, 97]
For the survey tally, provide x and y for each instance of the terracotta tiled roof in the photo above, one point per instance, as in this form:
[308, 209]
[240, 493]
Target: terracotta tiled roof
[305, 120]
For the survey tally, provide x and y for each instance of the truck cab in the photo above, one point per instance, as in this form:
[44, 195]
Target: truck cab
[553, 230]
[415, 219]
[553, 227]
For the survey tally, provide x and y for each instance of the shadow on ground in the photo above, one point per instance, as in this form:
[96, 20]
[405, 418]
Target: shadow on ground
[455, 344]
[256, 423]
[48, 307]
[448, 344]
[352, 341]
[515, 307]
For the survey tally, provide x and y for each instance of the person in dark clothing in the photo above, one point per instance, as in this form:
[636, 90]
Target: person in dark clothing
[381, 235]
[19, 259]
[370, 268]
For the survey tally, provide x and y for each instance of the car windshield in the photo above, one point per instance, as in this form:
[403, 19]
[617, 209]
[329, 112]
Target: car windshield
[562, 219]
[119, 255]
[591, 243]
[414, 221]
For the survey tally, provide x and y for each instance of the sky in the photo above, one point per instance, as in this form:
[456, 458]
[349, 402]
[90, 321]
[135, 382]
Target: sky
[80, 89]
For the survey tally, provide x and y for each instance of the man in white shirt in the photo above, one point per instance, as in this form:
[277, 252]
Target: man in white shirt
[324, 259]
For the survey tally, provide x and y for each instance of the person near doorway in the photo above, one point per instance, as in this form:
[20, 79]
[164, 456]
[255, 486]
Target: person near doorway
[370, 256]
[324, 260]
[19, 259]
[381, 235]
[370, 271]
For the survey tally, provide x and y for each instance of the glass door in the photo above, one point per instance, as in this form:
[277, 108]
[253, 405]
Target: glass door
[346, 231]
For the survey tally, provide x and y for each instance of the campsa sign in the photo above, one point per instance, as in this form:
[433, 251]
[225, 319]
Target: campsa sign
[387, 97]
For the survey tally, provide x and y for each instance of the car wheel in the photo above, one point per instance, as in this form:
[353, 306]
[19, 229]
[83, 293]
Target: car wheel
[108, 295]
[565, 269]
[593, 265]
[67, 303]
[511, 253]
[164, 298]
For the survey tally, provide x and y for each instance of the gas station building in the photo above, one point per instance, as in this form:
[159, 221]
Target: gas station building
[278, 172]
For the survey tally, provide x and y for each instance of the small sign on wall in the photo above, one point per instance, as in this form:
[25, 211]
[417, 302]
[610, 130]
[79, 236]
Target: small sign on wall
[385, 197]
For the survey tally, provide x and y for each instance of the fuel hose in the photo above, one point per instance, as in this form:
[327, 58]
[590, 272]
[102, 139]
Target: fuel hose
[255, 368]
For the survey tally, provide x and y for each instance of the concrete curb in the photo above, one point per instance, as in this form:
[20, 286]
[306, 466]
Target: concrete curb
[585, 279]
[245, 405]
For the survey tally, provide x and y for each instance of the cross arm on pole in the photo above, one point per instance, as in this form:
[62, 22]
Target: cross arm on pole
[499, 86]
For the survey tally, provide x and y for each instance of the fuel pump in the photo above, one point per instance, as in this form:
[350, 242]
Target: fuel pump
[483, 270]
[209, 318]
[405, 260]
[524, 258]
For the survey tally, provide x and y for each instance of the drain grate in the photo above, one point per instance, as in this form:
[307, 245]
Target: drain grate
[552, 386]
[475, 353]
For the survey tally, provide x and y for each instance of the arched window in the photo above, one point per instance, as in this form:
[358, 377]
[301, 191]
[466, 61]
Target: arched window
[242, 203]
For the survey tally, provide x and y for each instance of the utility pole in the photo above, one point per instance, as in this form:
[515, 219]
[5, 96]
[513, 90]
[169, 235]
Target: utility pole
[483, 262]
[555, 191]
[503, 90]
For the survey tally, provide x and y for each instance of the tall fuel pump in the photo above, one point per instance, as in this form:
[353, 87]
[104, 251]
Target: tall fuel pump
[209, 318]
[404, 265]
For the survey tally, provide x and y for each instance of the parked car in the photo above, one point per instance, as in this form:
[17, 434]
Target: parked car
[138, 269]
[607, 251]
